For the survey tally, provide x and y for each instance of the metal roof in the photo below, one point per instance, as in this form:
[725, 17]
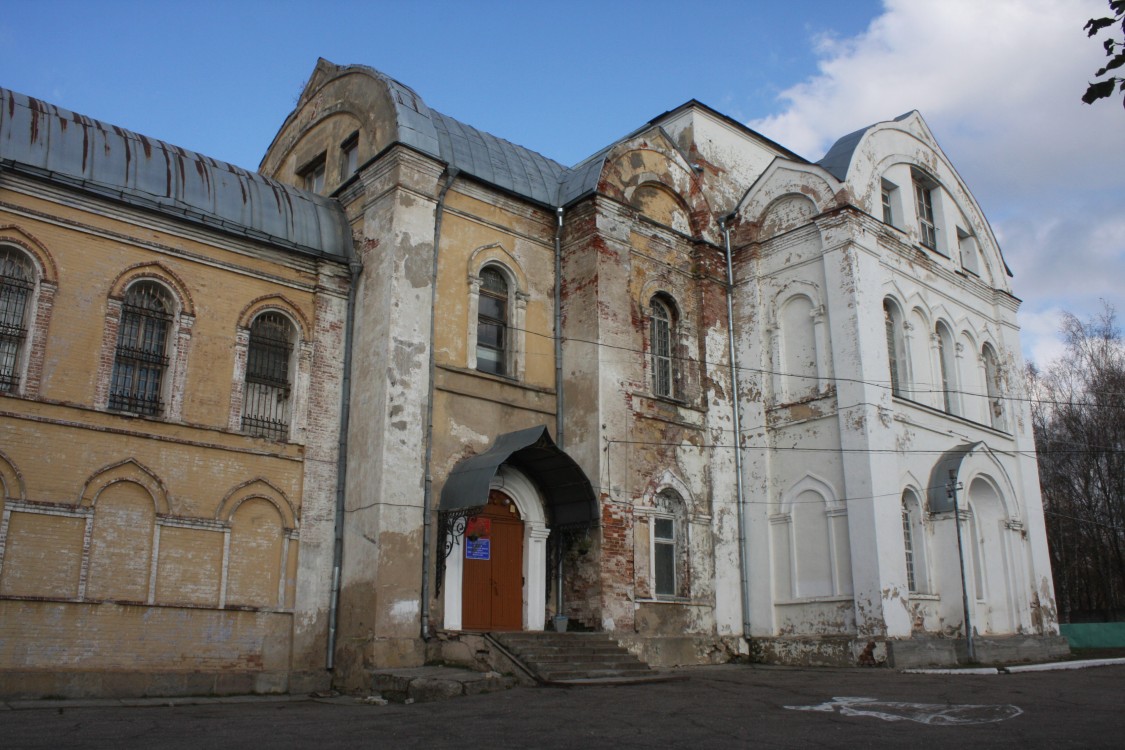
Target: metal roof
[52, 143]
[568, 492]
[839, 157]
[514, 168]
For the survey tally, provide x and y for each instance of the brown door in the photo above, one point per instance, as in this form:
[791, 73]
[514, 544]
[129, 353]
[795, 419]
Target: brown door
[492, 584]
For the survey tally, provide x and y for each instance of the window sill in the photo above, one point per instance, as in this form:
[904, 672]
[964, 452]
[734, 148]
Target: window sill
[838, 598]
[919, 597]
[942, 413]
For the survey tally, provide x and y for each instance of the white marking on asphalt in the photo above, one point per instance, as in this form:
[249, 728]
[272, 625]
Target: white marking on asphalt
[934, 714]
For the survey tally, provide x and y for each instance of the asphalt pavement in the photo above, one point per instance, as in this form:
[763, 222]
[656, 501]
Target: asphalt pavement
[729, 706]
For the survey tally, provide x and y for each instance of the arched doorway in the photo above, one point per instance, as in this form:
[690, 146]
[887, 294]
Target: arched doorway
[492, 576]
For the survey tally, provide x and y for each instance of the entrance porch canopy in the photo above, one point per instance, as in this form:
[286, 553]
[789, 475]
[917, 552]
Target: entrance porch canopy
[569, 495]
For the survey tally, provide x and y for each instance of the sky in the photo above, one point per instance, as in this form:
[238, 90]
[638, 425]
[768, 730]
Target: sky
[998, 81]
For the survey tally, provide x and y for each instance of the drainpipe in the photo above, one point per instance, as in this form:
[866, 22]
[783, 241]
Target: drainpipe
[428, 492]
[743, 569]
[558, 391]
[354, 266]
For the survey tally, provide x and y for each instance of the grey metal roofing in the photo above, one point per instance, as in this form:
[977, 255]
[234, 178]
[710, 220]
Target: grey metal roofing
[839, 157]
[568, 492]
[49, 142]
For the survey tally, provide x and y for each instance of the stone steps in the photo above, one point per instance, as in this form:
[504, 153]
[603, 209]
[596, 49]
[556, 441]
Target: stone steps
[576, 658]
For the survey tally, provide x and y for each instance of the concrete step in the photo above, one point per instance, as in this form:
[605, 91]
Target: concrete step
[573, 657]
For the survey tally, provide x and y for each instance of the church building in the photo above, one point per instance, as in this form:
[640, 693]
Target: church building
[410, 382]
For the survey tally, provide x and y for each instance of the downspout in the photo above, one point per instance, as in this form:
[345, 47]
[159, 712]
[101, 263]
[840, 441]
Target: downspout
[354, 266]
[743, 570]
[559, 398]
[428, 492]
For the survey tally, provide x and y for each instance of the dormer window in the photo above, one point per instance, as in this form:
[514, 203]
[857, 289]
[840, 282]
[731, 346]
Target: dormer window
[349, 156]
[312, 175]
[924, 205]
[889, 197]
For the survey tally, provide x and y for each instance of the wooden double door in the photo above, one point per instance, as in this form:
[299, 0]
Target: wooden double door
[492, 583]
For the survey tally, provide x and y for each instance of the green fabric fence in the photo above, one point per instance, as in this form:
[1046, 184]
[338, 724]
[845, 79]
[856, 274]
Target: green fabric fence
[1095, 634]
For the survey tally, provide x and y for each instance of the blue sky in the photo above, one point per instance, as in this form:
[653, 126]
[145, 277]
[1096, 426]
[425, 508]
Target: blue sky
[999, 83]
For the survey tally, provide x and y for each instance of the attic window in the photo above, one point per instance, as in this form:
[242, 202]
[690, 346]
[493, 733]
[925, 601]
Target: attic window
[349, 156]
[312, 175]
[924, 206]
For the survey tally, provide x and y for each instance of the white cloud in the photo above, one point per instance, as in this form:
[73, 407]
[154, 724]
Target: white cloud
[1000, 84]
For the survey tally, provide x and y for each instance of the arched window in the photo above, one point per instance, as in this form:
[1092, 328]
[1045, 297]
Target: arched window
[265, 402]
[492, 322]
[948, 367]
[992, 385]
[661, 329]
[17, 280]
[914, 543]
[141, 357]
[896, 347]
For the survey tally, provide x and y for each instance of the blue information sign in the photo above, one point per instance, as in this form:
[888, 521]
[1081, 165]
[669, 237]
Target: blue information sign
[477, 550]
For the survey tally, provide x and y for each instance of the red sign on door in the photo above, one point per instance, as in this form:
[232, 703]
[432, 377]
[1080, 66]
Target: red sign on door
[478, 527]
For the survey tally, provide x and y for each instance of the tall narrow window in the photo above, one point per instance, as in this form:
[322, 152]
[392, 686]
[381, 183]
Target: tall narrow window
[664, 555]
[924, 204]
[908, 543]
[141, 357]
[992, 385]
[265, 403]
[947, 366]
[492, 322]
[895, 346]
[663, 366]
[888, 196]
[16, 285]
[669, 578]
[349, 156]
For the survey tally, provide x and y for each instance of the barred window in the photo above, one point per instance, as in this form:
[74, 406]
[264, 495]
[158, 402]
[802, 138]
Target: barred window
[16, 285]
[492, 323]
[908, 543]
[141, 359]
[661, 338]
[265, 402]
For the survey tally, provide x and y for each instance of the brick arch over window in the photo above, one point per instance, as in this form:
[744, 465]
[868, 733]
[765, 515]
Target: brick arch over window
[259, 373]
[12, 486]
[128, 470]
[260, 547]
[262, 488]
[122, 534]
[495, 341]
[660, 203]
[28, 286]
[129, 341]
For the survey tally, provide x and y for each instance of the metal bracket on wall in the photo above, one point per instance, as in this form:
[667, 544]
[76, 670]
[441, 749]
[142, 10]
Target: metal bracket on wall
[451, 527]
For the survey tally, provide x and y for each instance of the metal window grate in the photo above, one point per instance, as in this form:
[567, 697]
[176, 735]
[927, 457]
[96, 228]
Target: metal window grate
[663, 364]
[15, 290]
[265, 401]
[908, 542]
[141, 357]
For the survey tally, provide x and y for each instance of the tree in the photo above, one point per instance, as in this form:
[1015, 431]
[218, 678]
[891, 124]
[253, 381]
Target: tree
[1078, 412]
[1114, 50]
